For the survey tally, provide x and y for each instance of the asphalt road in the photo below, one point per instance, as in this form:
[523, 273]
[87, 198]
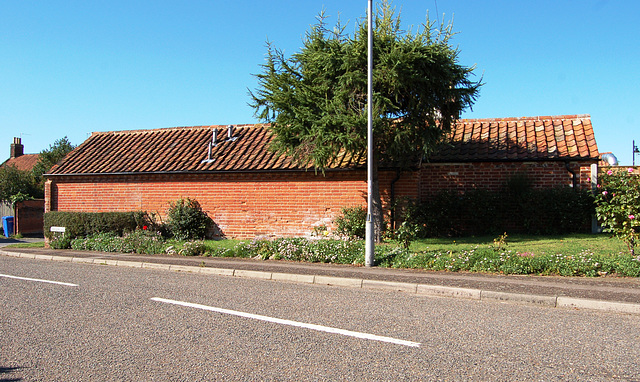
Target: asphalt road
[110, 325]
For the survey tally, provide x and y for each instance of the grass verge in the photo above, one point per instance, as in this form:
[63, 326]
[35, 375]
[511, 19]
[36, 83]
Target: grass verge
[570, 255]
[27, 245]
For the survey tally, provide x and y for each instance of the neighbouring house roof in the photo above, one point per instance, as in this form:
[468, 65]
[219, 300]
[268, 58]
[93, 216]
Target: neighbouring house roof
[186, 149]
[24, 162]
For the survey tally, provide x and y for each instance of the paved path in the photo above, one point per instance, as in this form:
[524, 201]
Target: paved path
[4, 241]
[603, 293]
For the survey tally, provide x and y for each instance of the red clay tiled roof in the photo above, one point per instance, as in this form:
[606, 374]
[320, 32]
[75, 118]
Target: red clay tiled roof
[23, 162]
[564, 137]
[186, 149]
[180, 149]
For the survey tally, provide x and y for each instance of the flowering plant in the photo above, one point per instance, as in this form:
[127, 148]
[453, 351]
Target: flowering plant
[618, 205]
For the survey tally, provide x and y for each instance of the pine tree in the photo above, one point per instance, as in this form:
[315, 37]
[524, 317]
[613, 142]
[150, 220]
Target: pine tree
[316, 100]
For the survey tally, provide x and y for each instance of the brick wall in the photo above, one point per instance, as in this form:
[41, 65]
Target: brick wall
[605, 168]
[245, 205]
[241, 204]
[493, 176]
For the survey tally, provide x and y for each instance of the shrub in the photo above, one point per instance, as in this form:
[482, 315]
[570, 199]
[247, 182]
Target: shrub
[406, 233]
[618, 205]
[187, 220]
[335, 251]
[189, 248]
[60, 241]
[346, 251]
[352, 223]
[486, 259]
[556, 211]
[80, 224]
[143, 241]
[139, 241]
[480, 212]
[105, 242]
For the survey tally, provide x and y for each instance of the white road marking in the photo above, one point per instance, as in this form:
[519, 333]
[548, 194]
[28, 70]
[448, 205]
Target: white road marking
[320, 328]
[38, 280]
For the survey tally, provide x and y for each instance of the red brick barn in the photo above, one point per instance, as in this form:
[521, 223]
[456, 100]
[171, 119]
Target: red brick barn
[250, 191]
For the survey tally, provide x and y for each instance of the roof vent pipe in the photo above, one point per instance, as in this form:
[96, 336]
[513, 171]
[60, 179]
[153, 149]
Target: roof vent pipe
[214, 140]
[230, 136]
[208, 160]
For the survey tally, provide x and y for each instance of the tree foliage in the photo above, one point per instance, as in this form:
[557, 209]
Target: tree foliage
[618, 205]
[49, 157]
[16, 183]
[316, 100]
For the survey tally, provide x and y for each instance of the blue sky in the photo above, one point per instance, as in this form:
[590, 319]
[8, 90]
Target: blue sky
[68, 68]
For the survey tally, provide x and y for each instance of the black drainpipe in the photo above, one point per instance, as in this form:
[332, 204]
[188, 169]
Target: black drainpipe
[574, 179]
[393, 199]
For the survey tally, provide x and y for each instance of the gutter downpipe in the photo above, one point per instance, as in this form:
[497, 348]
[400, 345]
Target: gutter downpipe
[574, 178]
[393, 199]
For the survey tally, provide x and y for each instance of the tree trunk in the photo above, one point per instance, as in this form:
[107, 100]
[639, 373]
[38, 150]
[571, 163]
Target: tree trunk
[376, 204]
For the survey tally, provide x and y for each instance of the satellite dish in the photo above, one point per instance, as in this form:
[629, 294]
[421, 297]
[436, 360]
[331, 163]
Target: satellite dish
[610, 159]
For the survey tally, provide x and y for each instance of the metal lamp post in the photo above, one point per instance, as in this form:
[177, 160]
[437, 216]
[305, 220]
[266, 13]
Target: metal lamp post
[369, 245]
[633, 155]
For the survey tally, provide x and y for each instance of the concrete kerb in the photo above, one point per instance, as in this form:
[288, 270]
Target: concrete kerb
[165, 267]
[338, 281]
[608, 306]
[307, 279]
[530, 299]
[184, 268]
[61, 258]
[252, 274]
[87, 260]
[443, 291]
[419, 289]
[389, 285]
[43, 257]
[217, 271]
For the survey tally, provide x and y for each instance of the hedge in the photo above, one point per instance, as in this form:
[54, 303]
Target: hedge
[82, 224]
[481, 212]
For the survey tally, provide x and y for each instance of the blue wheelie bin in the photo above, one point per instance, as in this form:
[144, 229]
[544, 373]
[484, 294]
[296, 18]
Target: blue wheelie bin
[7, 225]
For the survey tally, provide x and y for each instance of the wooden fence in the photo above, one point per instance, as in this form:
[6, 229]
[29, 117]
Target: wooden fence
[6, 209]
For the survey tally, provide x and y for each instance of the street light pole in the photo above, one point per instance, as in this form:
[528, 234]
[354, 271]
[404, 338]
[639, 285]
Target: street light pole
[369, 245]
[633, 155]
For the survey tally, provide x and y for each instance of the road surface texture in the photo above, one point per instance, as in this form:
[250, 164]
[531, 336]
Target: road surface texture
[70, 321]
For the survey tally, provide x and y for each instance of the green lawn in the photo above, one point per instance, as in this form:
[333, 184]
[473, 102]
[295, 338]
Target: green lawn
[27, 245]
[536, 245]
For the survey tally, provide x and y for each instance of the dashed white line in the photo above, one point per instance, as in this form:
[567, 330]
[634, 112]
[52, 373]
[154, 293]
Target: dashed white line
[320, 328]
[38, 280]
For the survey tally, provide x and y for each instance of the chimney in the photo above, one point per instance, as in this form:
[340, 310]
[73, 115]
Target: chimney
[17, 149]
